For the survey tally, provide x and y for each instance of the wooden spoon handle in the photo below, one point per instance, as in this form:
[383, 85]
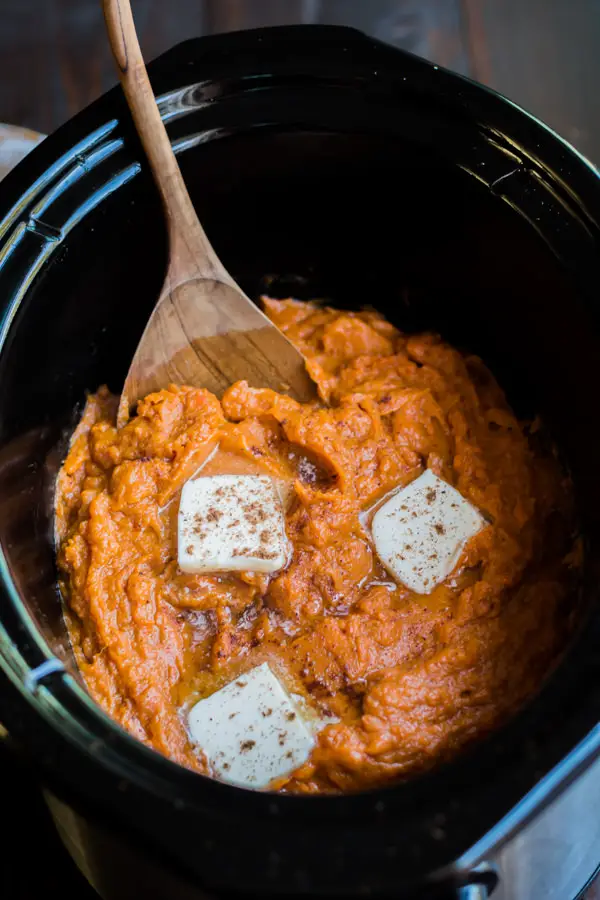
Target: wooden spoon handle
[189, 244]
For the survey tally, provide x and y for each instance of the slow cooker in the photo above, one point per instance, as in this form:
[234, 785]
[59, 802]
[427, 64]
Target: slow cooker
[324, 164]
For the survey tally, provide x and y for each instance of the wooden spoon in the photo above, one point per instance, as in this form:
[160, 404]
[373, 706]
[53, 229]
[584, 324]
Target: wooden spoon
[204, 330]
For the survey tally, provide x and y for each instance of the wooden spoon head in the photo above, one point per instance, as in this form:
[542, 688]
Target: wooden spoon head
[207, 333]
[204, 331]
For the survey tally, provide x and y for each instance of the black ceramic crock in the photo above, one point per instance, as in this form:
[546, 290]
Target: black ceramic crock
[348, 169]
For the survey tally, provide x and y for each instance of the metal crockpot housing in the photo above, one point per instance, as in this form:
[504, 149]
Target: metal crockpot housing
[371, 177]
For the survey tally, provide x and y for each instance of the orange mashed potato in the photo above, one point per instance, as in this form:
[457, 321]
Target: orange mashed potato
[411, 678]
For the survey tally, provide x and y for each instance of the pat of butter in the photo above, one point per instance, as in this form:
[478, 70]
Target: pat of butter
[251, 731]
[231, 523]
[420, 532]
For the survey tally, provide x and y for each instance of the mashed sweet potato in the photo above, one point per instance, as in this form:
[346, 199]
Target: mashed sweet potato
[411, 678]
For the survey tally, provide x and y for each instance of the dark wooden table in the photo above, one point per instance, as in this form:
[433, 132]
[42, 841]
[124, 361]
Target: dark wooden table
[542, 53]
[54, 60]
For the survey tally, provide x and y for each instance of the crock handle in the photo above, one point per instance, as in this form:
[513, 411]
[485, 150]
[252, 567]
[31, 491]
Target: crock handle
[482, 882]
[473, 892]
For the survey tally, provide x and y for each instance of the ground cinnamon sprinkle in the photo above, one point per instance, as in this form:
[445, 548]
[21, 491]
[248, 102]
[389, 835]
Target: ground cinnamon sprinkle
[411, 679]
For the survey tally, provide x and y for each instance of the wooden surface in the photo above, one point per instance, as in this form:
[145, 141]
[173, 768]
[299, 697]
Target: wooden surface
[542, 53]
[54, 59]
[15, 143]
